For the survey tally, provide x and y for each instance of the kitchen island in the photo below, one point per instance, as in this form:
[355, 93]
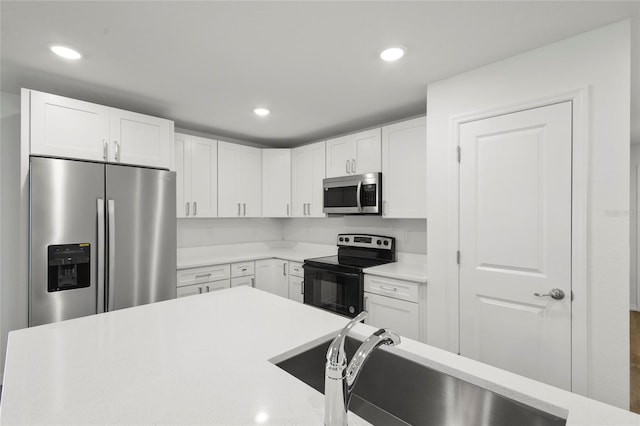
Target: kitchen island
[210, 360]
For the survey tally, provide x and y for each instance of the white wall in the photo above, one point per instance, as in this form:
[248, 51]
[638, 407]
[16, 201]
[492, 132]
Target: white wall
[410, 234]
[598, 62]
[633, 227]
[213, 232]
[12, 301]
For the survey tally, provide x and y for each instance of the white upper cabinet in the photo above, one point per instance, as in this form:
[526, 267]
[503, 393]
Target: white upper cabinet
[307, 172]
[276, 182]
[404, 171]
[239, 180]
[196, 176]
[64, 127]
[140, 139]
[69, 128]
[354, 154]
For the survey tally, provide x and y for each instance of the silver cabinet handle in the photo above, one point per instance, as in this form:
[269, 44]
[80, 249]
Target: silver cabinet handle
[208, 289]
[111, 253]
[353, 166]
[284, 269]
[304, 209]
[347, 166]
[238, 209]
[554, 293]
[308, 209]
[199, 290]
[253, 282]
[117, 151]
[105, 150]
[187, 209]
[244, 209]
[101, 243]
[195, 208]
[385, 288]
[287, 209]
[302, 287]
[203, 275]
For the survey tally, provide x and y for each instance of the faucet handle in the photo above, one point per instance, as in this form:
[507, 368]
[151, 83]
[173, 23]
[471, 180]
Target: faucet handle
[335, 354]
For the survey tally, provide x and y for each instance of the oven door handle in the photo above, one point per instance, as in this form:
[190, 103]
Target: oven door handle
[313, 269]
[358, 194]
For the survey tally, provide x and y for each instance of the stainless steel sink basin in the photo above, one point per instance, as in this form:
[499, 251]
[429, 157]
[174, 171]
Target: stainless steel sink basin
[393, 390]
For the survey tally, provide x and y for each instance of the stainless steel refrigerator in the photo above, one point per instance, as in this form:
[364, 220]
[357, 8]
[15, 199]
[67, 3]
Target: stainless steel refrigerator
[102, 237]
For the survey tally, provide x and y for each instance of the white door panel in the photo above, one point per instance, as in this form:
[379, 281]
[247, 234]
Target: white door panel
[515, 240]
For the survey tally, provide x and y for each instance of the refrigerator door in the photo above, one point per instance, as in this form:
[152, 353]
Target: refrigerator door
[141, 223]
[63, 265]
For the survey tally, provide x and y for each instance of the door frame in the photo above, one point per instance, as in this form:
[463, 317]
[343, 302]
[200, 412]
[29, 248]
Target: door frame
[579, 218]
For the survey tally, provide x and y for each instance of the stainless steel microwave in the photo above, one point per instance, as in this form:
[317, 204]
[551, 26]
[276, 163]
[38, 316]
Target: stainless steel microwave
[354, 194]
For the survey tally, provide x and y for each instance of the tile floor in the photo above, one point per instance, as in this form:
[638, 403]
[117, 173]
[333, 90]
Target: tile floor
[635, 361]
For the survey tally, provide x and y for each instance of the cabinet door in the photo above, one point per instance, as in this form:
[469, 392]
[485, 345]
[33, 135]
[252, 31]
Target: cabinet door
[189, 290]
[301, 180]
[317, 170]
[183, 178]
[404, 173]
[216, 285]
[248, 281]
[272, 276]
[69, 128]
[140, 139]
[250, 175]
[229, 204]
[276, 182]
[341, 156]
[202, 168]
[367, 151]
[296, 288]
[398, 315]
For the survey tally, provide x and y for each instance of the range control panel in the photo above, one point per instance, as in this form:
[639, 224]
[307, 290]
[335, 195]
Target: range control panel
[367, 241]
[69, 266]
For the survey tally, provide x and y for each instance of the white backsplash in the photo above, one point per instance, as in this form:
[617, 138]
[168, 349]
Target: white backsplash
[213, 232]
[410, 234]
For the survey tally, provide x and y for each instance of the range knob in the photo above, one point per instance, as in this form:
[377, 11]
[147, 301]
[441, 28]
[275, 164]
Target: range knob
[379, 242]
[386, 242]
[341, 239]
[346, 239]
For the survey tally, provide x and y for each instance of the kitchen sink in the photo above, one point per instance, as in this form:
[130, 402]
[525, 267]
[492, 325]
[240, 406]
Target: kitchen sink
[392, 390]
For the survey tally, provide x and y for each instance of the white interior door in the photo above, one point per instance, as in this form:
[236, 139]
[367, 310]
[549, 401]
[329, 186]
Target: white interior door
[515, 241]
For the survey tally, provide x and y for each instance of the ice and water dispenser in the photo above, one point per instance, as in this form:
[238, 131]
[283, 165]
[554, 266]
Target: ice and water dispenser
[69, 266]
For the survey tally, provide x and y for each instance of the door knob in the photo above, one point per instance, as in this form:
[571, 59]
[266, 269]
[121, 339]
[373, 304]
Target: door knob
[555, 293]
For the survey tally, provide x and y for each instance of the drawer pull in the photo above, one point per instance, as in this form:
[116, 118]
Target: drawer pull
[203, 275]
[385, 288]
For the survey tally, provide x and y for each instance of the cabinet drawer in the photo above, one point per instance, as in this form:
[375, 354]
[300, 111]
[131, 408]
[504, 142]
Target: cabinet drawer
[398, 289]
[195, 289]
[202, 275]
[248, 280]
[242, 269]
[295, 269]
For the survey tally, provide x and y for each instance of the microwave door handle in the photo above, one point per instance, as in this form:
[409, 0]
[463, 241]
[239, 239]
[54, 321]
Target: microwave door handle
[358, 194]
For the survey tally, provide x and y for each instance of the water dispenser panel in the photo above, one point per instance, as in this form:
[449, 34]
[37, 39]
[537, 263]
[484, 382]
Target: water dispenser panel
[69, 266]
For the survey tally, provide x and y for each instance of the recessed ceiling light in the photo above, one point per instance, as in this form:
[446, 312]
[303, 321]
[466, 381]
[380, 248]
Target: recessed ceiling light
[392, 54]
[66, 52]
[261, 112]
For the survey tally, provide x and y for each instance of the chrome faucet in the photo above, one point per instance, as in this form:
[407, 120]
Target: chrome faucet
[339, 378]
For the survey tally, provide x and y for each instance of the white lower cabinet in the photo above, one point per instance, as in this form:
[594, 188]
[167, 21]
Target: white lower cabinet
[296, 282]
[272, 276]
[237, 282]
[194, 289]
[393, 304]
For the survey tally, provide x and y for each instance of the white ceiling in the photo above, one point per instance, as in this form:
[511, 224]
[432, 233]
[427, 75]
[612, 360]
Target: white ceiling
[207, 64]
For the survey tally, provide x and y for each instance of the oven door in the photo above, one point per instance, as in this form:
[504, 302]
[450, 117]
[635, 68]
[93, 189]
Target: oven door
[335, 291]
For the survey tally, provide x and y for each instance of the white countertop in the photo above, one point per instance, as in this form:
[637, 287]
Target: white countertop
[206, 360]
[412, 267]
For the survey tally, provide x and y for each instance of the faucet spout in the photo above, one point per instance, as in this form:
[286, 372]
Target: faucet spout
[340, 378]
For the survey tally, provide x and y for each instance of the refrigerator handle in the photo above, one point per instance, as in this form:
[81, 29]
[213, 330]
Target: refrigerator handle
[101, 248]
[111, 250]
